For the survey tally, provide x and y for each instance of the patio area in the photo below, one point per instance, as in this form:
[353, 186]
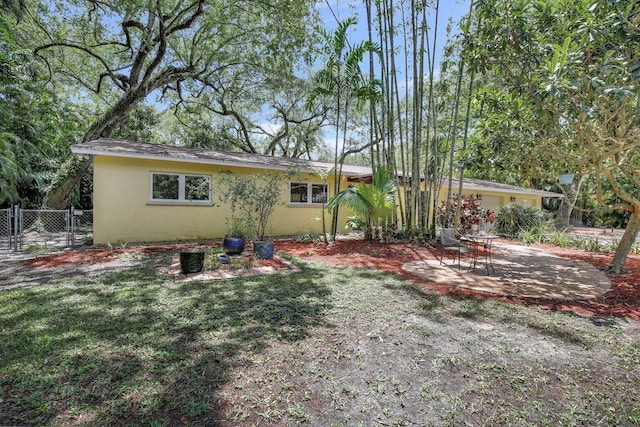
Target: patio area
[521, 271]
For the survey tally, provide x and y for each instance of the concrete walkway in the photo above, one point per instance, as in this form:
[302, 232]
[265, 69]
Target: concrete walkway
[519, 271]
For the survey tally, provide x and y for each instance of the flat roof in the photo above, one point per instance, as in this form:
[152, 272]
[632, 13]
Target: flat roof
[144, 150]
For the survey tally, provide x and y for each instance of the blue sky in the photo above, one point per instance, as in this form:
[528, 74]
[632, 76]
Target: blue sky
[449, 9]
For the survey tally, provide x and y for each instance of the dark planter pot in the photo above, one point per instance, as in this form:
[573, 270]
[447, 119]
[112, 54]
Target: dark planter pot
[233, 245]
[263, 250]
[191, 261]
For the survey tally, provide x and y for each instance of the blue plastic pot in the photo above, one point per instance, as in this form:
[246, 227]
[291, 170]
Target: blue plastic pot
[233, 245]
[263, 250]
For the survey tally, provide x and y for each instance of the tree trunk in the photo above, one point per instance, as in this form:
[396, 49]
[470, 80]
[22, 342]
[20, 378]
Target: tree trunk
[68, 176]
[627, 241]
[72, 171]
[563, 214]
[568, 203]
[369, 231]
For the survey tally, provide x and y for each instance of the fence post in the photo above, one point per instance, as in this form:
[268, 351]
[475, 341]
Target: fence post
[72, 222]
[16, 225]
[9, 226]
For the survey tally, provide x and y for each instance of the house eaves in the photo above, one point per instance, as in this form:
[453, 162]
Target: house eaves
[174, 153]
[143, 150]
[476, 185]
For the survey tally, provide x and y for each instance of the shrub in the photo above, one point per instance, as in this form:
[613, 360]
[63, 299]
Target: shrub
[560, 238]
[613, 245]
[471, 213]
[540, 233]
[356, 223]
[309, 237]
[593, 245]
[513, 220]
[255, 196]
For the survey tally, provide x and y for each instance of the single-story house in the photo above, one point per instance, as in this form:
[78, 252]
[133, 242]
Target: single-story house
[147, 192]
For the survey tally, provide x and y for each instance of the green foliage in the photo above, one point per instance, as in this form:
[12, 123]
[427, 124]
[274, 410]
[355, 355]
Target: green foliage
[233, 60]
[538, 233]
[514, 219]
[586, 244]
[471, 214]
[253, 196]
[356, 223]
[614, 243]
[309, 237]
[341, 75]
[560, 238]
[139, 125]
[237, 227]
[36, 127]
[561, 92]
[547, 235]
[374, 202]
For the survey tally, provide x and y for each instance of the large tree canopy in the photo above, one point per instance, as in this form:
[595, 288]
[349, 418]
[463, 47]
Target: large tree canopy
[119, 53]
[36, 128]
[574, 67]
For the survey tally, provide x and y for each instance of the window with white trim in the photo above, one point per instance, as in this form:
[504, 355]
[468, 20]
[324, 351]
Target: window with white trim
[180, 188]
[308, 193]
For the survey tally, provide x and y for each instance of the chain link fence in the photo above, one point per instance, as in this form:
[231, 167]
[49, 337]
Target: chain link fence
[44, 230]
[6, 234]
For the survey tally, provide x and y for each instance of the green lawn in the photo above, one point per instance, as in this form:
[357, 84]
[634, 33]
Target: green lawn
[326, 346]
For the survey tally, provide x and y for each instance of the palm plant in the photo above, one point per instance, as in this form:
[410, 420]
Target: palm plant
[342, 79]
[375, 201]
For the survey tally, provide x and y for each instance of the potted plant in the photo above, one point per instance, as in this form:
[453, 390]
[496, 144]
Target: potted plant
[234, 243]
[254, 196]
[191, 261]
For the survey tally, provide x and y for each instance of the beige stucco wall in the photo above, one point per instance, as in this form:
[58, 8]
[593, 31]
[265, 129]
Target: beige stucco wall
[123, 212]
[494, 201]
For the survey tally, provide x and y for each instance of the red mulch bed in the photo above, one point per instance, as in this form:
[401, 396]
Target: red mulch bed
[622, 301]
[97, 255]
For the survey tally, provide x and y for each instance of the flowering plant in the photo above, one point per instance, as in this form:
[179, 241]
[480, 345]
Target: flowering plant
[471, 213]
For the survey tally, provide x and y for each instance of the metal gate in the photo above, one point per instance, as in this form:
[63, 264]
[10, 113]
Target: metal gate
[44, 229]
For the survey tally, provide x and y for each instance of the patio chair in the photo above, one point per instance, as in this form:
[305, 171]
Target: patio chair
[450, 243]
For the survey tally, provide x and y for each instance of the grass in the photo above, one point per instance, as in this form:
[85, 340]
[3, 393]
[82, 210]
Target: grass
[326, 346]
